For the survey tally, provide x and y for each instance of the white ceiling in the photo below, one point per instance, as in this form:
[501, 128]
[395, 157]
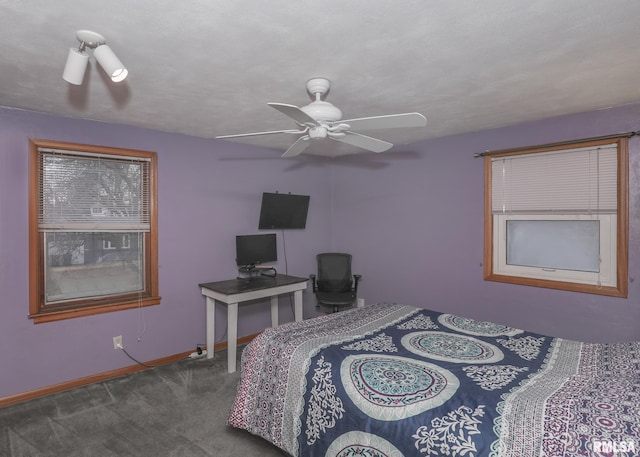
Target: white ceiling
[208, 67]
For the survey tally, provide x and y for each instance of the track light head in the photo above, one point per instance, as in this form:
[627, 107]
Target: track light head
[77, 60]
[75, 67]
[110, 63]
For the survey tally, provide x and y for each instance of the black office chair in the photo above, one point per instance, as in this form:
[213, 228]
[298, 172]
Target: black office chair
[333, 285]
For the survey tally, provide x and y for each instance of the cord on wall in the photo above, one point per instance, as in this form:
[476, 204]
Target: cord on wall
[136, 360]
[284, 251]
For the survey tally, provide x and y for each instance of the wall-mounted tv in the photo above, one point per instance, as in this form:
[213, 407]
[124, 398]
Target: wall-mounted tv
[253, 250]
[283, 211]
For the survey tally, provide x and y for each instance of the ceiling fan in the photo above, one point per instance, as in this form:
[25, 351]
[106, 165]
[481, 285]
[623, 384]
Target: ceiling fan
[321, 119]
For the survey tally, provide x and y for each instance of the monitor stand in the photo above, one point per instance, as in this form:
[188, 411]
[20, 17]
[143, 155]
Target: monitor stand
[253, 271]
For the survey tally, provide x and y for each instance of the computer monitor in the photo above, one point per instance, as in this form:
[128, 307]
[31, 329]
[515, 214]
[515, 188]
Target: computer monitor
[253, 250]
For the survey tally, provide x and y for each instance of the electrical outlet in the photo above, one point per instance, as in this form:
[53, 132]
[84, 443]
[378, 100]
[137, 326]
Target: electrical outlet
[117, 342]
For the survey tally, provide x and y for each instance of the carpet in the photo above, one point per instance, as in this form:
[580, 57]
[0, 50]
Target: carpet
[178, 409]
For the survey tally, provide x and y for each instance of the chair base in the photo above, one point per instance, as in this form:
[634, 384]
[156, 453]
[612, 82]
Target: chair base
[330, 308]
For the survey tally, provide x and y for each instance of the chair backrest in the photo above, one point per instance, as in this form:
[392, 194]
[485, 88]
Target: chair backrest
[334, 272]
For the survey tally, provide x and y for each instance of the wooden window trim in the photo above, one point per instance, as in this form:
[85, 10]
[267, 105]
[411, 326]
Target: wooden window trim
[621, 288]
[82, 308]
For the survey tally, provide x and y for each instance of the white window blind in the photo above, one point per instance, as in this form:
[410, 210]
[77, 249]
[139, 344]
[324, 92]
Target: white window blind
[580, 180]
[92, 192]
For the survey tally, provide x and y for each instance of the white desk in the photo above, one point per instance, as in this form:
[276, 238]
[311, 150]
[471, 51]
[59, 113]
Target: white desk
[234, 291]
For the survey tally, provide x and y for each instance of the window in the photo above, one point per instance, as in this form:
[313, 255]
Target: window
[92, 230]
[556, 216]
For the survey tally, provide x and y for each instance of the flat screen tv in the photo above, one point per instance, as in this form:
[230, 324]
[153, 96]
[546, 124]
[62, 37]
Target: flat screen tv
[253, 250]
[283, 211]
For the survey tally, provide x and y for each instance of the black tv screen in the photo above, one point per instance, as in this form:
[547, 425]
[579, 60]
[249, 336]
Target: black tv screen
[256, 249]
[283, 211]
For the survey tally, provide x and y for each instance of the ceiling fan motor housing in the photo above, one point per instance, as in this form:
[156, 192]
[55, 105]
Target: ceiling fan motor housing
[318, 109]
[322, 111]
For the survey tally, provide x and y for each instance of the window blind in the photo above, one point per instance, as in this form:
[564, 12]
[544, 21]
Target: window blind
[92, 192]
[580, 180]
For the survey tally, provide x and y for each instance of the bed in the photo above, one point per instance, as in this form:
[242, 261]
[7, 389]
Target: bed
[394, 380]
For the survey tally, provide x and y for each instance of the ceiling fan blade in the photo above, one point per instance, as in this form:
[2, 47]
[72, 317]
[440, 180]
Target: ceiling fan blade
[238, 135]
[390, 121]
[363, 141]
[296, 148]
[295, 113]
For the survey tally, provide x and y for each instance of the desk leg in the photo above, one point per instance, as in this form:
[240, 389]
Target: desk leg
[297, 305]
[274, 311]
[232, 342]
[211, 326]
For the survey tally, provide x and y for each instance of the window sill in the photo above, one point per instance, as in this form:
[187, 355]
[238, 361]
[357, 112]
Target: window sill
[58, 314]
[619, 291]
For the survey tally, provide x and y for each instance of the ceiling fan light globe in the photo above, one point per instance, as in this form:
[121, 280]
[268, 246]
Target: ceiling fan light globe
[322, 111]
[318, 133]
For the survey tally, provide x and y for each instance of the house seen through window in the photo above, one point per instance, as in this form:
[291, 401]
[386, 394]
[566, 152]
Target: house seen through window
[93, 230]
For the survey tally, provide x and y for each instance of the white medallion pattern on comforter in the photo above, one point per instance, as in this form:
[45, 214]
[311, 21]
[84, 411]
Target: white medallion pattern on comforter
[394, 380]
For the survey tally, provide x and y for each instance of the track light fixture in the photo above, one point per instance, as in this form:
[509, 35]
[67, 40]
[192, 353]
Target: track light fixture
[78, 59]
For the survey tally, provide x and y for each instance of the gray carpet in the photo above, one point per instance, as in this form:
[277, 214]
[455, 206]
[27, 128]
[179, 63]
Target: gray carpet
[175, 410]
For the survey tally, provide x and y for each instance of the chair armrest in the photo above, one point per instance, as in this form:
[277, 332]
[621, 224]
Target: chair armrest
[313, 282]
[355, 282]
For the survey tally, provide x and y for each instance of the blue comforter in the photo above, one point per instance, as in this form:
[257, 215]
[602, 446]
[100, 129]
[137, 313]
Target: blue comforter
[394, 380]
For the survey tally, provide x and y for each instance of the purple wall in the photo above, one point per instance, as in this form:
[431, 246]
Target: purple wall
[209, 191]
[412, 219]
